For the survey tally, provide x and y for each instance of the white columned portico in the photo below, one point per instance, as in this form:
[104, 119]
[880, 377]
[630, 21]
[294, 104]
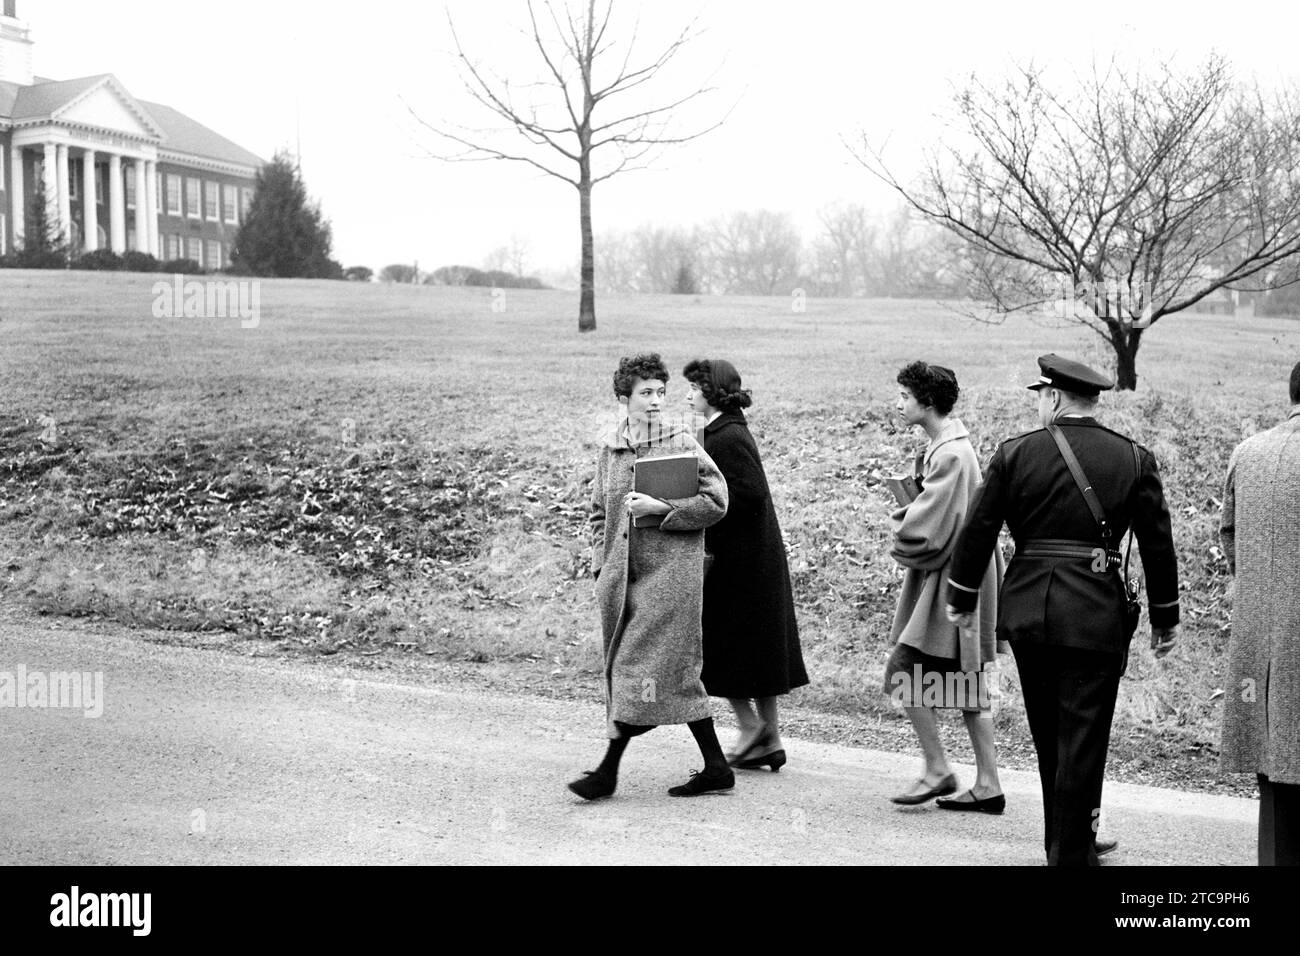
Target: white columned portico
[116, 205]
[50, 184]
[89, 212]
[141, 207]
[151, 176]
[65, 202]
[16, 195]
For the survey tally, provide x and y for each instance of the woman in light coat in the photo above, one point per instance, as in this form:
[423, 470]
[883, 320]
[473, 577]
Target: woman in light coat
[649, 585]
[934, 664]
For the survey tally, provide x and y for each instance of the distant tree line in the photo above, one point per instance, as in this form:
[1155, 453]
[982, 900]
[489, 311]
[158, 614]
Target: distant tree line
[853, 252]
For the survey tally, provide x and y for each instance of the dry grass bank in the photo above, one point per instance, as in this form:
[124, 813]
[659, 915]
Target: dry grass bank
[204, 476]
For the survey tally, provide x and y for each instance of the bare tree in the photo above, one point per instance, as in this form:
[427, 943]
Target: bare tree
[849, 235]
[562, 120]
[755, 253]
[1129, 197]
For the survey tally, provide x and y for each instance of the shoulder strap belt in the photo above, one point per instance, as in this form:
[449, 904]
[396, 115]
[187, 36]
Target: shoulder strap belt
[1090, 496]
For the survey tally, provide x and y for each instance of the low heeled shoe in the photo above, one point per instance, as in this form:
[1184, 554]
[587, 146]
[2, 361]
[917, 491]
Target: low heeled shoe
[775, 760]
[593, 785]
[941, 789]
[704, 781]
[995, 804]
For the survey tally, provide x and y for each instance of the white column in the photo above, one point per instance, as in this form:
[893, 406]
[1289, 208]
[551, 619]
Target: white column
[116, 205]
[89, 214]
[151, 176]
[65, 201]
[141, 207]
[50, 183]
[16, 193]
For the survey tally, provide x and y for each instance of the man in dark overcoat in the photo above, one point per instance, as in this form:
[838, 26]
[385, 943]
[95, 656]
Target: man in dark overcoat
[1062, 605]
[1260, 528]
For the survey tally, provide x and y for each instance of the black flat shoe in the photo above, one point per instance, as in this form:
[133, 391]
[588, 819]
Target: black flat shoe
[594, 785]
[1104, 846]
[702, 781]
[995, 804]
[944, 787]
[775, 760]
[760, 740]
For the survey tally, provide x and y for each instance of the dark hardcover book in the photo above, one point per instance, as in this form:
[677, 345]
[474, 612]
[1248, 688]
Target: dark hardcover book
[906, 488]
[665, 478]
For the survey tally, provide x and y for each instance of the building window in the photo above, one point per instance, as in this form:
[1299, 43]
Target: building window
[173, 246]
[211, 200]
[99, 186]
[194, 250]
[229, 200]
[245, 202]
[191, 197]
[130, 192]
[74, 179]
[214, 254]
[173, 194]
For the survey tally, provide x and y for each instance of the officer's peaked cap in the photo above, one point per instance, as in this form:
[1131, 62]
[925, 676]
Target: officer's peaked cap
[1070, 376]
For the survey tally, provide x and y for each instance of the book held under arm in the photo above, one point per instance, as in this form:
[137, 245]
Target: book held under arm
[665, 478]
[905, 488]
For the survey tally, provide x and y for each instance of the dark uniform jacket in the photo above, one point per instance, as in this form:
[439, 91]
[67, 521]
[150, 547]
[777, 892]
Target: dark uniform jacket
[1066, 601]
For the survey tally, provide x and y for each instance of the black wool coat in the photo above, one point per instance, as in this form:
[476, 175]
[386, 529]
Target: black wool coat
[751, 640]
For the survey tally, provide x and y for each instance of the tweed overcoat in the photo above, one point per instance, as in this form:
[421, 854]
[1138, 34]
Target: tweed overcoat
[751, 639]
[1260, 530]
[650, 585]
[925, 534]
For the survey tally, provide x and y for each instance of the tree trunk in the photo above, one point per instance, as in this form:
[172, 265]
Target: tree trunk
[1126, 350]
[587, 302]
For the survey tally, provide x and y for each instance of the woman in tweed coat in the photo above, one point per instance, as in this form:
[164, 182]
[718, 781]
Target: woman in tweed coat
[649, 585]
[1260, 529]
[934, 664]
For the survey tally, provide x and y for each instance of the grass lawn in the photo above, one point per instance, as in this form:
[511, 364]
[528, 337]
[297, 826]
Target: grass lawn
[404, 469]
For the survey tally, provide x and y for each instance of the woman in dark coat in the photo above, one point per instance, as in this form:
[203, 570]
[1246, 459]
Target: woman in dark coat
[751, 641]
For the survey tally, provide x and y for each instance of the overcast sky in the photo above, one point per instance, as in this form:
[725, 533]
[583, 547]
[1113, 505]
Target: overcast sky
[792, 80]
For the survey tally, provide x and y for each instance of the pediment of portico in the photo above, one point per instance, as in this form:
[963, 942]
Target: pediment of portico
[109, 107]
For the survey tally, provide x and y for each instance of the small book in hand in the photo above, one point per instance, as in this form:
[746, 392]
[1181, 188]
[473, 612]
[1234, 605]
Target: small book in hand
[906, 488]
[665, 478]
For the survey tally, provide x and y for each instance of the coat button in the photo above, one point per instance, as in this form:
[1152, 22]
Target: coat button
[625, 534]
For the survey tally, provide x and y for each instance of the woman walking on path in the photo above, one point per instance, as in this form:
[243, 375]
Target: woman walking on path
[751, 641]
[933, 664]
[649, 584]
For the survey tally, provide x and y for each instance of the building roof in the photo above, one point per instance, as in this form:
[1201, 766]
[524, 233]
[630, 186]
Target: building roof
[184, 135]
[8, 94]
[180, 133]
[42, 99]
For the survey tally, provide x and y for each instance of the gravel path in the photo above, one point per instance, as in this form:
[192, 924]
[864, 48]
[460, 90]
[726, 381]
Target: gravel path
[203, 756]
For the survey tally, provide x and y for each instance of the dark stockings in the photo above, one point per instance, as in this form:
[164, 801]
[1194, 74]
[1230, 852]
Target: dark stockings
[707, 740]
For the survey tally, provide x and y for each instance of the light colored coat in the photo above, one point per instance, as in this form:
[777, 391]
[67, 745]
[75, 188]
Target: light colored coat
[651, 584]
[1260, 530]
[925, 534]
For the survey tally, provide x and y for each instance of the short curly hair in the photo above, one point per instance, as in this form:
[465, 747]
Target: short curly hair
[932, 385]
[647, 365]
[719, 382]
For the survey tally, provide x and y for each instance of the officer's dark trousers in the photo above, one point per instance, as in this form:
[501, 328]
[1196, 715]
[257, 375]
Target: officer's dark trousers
[1279, 823]
[1069, 702]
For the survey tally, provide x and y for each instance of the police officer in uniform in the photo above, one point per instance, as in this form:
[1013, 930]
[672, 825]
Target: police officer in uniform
[1062, 601]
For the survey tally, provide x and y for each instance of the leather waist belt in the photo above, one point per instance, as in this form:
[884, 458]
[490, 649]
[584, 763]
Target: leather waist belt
[1061, 548]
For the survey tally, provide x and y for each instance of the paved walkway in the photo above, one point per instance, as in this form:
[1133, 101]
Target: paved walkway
[201, 756]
